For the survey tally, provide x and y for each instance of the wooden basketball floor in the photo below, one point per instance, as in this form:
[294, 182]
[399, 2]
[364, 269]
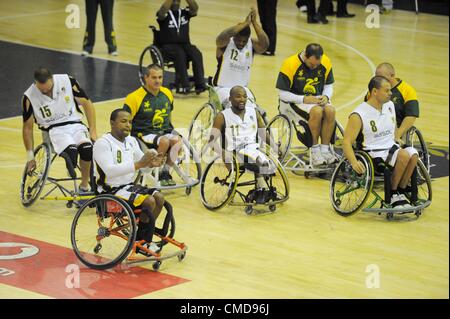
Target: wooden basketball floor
[304, 249]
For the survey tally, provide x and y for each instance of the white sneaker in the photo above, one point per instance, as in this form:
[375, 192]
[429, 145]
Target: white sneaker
[330, 157]
[303, 8]
[114, 53]
[316, 158]
[399, 201]
[85, 53]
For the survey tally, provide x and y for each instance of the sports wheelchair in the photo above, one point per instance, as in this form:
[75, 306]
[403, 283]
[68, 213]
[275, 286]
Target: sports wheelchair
[295, 157]
[413, 137]
[203, 120]
[224, 177]
[33, 182]
[350, 191]
[103, 234]
[154, 54]
[186, 170]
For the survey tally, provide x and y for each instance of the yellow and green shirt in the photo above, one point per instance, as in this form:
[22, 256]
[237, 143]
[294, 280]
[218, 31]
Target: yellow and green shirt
[405, 100]
[297, 78]
[151, 114]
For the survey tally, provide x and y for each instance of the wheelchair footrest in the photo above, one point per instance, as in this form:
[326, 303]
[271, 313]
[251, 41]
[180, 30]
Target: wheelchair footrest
[400, 210]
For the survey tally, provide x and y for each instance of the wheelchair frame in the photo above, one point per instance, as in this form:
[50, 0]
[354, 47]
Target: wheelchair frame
[353, 182]
[153, 175]
[157, 57]
[291, 156]
[236, 170]
[123, 223]
[71, 196]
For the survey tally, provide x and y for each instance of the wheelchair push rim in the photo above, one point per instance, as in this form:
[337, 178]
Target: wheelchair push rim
[200, 127]
[349, 191]
[218, 182]
[33, 183]
[280, 131]
[103, 232]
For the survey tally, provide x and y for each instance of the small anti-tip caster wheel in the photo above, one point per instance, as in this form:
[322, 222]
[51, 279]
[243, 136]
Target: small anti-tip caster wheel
[248, 210]
[188, 191]
[156, 265]
[390, 216]
[181, 256]
[272, 208]
[97, 248]
[69, 204]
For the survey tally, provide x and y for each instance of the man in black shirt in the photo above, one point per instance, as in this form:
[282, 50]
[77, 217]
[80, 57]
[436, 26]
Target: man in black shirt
[176, 45]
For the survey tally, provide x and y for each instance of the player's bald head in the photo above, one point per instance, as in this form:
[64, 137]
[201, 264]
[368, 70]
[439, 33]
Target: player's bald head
[385, 69]
[236, 90]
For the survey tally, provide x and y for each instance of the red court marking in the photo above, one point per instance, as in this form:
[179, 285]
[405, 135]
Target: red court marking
[45, 273]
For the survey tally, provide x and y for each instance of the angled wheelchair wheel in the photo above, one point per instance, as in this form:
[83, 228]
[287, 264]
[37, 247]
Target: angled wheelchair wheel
[415, 139]
[338, 139]
[151, 54]
[279, 182]
[187, 166]
[200, 127]
[424, 190]
[103, 232]
[349, 191]
[33, 182]
[280, 130]
[165, 225]
[218, 182]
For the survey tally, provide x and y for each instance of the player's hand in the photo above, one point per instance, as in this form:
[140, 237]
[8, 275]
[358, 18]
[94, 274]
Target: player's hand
[253, 14]
[309, 99]
[358, 167]
[248, 19]
[93, 136]
[323, 100]
[31, 165]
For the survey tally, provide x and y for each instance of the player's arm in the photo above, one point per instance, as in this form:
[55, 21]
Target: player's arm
[224, 37]
[83, 100]
[193, 7]
[165, 7]
[351, 132]
[260, 44]
[411, 109]
[27, 131]
[264, 133]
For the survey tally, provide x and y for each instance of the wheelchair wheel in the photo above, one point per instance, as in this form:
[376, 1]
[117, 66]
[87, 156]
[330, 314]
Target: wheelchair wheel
[338, 139]
[280, 130]
[33, 182]
[151, 54]
[424, 192]
[103, 232]
[200, 127]
[165, 226]
[279, 181]
[187, 170]
[349, 191]
[415, 139]
[218, 182]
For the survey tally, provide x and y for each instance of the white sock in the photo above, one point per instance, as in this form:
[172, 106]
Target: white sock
[315, 149]
[324, 148]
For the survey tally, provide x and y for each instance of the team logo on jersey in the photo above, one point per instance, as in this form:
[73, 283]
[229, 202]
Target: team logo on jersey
[158, 118]
[319, 73]
[247, 54]
[67, 98]
[147, 106]
[310, 86]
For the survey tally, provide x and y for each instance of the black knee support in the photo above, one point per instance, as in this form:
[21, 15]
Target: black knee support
[70, 155]
[85, 150]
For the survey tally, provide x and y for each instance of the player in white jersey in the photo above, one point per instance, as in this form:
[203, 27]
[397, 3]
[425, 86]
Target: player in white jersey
[374, 122]
[52, 101]
[234, 53]
[240, 126]
[117, 156]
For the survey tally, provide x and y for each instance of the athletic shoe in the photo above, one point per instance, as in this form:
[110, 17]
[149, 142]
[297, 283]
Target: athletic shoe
[330, 157]
[152, 246]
